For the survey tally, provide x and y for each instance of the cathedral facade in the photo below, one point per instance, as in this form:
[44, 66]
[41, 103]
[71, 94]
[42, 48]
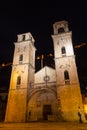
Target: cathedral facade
[49, 94]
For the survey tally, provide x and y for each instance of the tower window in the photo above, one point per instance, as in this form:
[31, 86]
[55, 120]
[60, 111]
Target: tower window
[66, 77]
[21, 57]
[61, 30]
[23, 37]
[18, 80]
[63, 50]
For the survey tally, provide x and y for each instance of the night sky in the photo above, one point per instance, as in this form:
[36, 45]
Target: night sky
[39, 21]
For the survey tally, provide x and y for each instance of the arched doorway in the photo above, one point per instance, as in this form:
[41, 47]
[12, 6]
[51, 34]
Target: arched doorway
[42, 105]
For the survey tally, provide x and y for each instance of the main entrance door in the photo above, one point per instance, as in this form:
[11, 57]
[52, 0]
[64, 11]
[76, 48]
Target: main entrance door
[47, 110]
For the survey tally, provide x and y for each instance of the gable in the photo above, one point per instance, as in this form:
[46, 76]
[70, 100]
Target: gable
[46, 73]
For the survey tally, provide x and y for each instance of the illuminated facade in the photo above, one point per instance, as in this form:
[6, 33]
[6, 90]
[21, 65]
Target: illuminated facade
[49, 94]
[22, 76]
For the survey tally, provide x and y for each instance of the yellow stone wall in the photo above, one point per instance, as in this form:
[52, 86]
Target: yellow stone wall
[16, 107]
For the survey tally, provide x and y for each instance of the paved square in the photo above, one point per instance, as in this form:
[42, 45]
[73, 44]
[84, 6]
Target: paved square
[44, 126]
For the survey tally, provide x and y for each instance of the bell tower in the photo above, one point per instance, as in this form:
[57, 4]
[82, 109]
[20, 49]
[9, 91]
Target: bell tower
[22, 78]
[68, 87]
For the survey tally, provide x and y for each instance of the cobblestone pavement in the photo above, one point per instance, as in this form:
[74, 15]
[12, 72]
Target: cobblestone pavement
[44, 126]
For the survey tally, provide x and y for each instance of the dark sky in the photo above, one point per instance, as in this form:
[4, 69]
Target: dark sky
[39, 21]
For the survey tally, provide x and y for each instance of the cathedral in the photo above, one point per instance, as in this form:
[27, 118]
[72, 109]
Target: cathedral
[49, 94]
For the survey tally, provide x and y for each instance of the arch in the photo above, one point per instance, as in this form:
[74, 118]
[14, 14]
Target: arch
[21, 57]
[61, 30]
[40, 90]
[23, 37]
[66, 77]
[63, 50]
[36, 103]
[18, 80]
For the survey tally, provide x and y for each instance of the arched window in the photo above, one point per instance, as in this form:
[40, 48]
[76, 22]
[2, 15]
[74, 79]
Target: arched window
[23, 36]
[21, 57]
[18, 80]
[61, 30]
[63, 50]
[66, 77]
